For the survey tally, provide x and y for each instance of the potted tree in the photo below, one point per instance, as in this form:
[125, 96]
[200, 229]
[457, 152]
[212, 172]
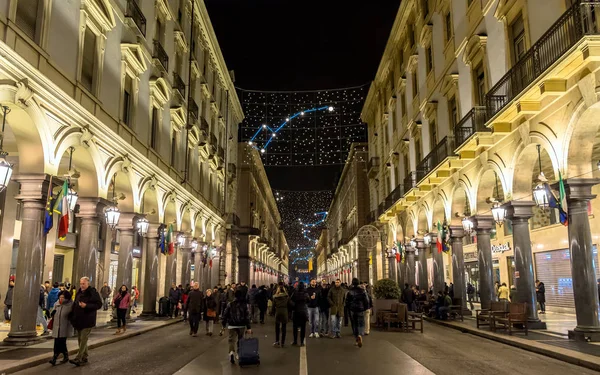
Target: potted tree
[386, 293]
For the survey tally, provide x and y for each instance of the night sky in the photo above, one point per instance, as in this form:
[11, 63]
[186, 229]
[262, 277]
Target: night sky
[297, 45]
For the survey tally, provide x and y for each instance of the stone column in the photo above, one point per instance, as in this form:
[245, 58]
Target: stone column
[519, 212]
[170, 271]
[91, 213]
[152, 252]
[422, 264]
[483, 225]
[391, 261]
[126, 228]
[458, 266]
[197, 264]
[438, 266]
[33, 194]
[410, 266]
[579, 193]
[243, 259]
[186, 252]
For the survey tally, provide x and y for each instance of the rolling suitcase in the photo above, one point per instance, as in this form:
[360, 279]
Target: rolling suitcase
[248, 352]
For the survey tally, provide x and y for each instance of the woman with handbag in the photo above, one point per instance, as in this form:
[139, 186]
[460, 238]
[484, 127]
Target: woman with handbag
[61, 326]
[210, 311]
[122, 302]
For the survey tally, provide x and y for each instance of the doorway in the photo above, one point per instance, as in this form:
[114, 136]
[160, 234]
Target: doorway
[59, 265]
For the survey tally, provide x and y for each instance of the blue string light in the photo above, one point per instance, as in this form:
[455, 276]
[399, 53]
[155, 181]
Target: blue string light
[274, 133]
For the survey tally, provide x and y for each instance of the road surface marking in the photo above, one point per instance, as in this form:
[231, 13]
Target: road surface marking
[303, 361]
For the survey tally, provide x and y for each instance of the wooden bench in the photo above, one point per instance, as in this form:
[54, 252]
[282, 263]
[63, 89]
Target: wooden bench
[414, 318]
[486, 316]
[456, 309]
[396, 316]
[517, 314]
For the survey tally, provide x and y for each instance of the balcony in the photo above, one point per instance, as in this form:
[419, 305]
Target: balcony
[179, 85]
[160, 55]
[579, 20]
[135, 17]
[410, 181]
[441, 151]
[192, 110]
[472, 123]
[212, 146]
[220, 158]
[373, 167]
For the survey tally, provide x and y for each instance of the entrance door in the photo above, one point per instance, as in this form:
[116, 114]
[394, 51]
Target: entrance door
[510, 263]
[59, 265]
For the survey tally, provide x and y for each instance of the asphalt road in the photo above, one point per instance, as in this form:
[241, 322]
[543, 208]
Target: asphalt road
[439, 350]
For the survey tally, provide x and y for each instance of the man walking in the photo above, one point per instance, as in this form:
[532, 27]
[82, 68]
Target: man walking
[252, 304]
[194, 305]
[367, 287]
[313, 308]
[357, 302]
[336, 298]
[323, 309]
[174, 299]
[8, 299]
[87, 302]
[41, 320]
[105, 294]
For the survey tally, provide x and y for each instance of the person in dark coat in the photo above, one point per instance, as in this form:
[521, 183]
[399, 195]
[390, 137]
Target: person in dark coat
[87, 303]
[408, 297]
[195, 306]
[262, 301]
[210, 311]
[8, 300]
[174, 300]
[61, 326]
[299, 301]
[280, 303]
[357, 302]
[236, 318]
[323, 309]
[540, 293]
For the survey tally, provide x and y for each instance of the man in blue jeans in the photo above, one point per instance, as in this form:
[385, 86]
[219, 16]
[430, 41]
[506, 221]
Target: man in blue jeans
[313, 308]
[323, 309]
[336, 298]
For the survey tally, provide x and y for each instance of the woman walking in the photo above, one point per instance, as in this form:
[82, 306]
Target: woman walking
[61, 326]
[210, 311]
[280, 303]
[299, 302]
[121, 302]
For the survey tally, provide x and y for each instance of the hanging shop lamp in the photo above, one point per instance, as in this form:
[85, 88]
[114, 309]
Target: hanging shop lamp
[112, 213]
[467, 225]
[142, 226]
[71, 193]
[427, 239]
[539, 192]
[6, 168]
[498, 212]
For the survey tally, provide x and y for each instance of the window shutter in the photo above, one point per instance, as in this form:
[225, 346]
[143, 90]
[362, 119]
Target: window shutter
[27, 15]
[89, 57]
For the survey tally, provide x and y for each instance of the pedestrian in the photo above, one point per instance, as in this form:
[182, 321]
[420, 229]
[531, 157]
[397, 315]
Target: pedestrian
[451, 290]
[408, 297]
[262, 298]
[368, 312]
[41, 320]
[61, 326]
[244, 288]
[503, 293]
[336, 298]
[323, 309]
[195, 305]
[87, 302]
[470, 294]
[313, 308]
[135, 294]
[513, 293]
[105, 292]
[443, 305]
[121, 302]
[174, 300]
[8, 299]
[184, 297]
[252, 305]
[540, 293]
[357, 302]
[210, 311]
[496, 287]
[280, 303]
[236, 319]
[52, 297]
[299, 301]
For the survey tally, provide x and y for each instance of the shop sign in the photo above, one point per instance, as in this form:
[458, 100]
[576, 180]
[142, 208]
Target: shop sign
[469, 257]
[499, 249]
[137, 252]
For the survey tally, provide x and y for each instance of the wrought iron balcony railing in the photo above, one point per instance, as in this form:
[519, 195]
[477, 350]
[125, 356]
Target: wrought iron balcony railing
[193, 110]
[135, 13]
[178, 84]
[474, 121]
[579, 20]
[440, 152]
[410, 181]
[160, 54]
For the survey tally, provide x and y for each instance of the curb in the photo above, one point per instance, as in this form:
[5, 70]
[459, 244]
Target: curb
[44, 358]
[566, 355]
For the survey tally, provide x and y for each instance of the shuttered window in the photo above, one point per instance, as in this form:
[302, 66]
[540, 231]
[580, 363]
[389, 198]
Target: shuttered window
[154, 129]
[28, 14]
[553, 268]
[89, 59]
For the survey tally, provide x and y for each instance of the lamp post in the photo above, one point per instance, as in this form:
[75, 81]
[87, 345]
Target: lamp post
[539, 192]
[6, 168]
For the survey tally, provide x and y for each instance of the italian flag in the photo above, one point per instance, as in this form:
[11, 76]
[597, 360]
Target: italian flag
[440, 237]
[170, 240]
[63, 210]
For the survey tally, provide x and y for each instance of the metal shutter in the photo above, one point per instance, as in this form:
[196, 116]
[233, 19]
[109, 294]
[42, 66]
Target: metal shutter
[553, 268]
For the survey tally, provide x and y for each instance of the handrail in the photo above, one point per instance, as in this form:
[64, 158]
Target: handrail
[135, 13]
[474, 121]
[441, 151]
[160, 54]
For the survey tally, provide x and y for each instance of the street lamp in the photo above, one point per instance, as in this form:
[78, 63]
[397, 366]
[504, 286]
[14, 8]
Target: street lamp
[427, 239]
[72, 198]
[6, 168]
[194, 244]
[413, 243]
[467, 225]
[142, 226]
[539, 193]
[180, 240]
[499, 213]
[112, 213]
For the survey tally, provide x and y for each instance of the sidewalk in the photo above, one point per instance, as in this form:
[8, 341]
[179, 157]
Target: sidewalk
[14, 359]
[552, 342]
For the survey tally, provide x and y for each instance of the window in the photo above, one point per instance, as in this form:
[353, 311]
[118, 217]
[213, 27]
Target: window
[433, 137]
[178, 63]
[453, 112]
[154, 130]
[448, 24]
[411, 35]
[173, 149]
[29, 13]
[517, 29]
[429, 59]
[425, 8]
[480, 85]
[469, 2]
[127, 100]
[403, 103]
[418, 154]
[88, 64]
[415, 85]
[159, 33]
[179, 16]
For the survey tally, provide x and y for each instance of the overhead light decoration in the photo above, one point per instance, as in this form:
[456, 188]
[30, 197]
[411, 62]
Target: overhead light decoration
[330, 109]
[142, 226]
[6, 168]
[262, 150]
[250, 143]
[539, 192]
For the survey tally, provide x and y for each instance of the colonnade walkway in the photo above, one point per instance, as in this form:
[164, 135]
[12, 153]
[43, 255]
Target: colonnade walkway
[439, 350]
